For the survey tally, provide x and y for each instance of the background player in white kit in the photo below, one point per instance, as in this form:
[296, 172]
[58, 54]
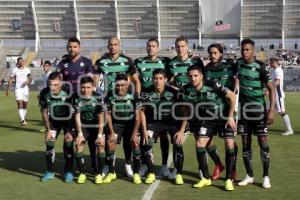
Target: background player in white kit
[277, 78]
[22, 77]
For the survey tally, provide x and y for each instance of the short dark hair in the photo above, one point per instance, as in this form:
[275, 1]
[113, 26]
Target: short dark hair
[20, 58]
[47, 62]
[74, 39]
[181, 38]
[86, 79]
[274, 59]
[247, 41]
[54, 75]
[159, 71]
[217, 46]
[153, 40]
[195, 67]
[121, 76]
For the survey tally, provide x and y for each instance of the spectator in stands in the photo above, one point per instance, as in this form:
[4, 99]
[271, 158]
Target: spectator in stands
[296, 45]
[47, 69]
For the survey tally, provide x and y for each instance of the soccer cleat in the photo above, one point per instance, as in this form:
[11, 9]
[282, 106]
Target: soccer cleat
[128, 170]
[229, 185]
[246, 181]
[47, 176]
[150, 178]
[165, 171]
[69, 177]
[217, 171]
[98, 179]
[291, 132]
[233, 176]
[81, 178]
[137, 179]
[202, 183]
[143, 170]
[266, 182]
[178, 179]
[110, 177]
[23, 123]
[173, 174]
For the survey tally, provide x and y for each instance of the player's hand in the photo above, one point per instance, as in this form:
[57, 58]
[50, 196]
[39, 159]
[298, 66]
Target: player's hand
[112, 137]
[145, 137]
[179, 137]
[135, 139]
[231, 123]
[79, 140]
[7, 93]
[270, 117]
[48, 135]
[100, 141]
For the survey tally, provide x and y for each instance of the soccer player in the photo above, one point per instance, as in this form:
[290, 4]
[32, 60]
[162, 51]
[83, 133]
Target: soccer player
[89, 121]
[145, 67]
[47, 69]
[109, 66]
[22, 76]
[209, 113]
[74, 65]
[56, 101]
[177, 68]
[157, 103]
[277, 78]
[224, 73]
[254, 76]
[123, 121]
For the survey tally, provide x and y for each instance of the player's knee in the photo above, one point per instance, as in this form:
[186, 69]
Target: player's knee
[68, 143]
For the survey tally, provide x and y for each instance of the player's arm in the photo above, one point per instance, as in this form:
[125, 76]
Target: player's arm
[109, 123]
[135, 77]
[276, 82]
[184, 112]
[10, 81]
[144, 126]
[29, 80]
[80, 138]
[45, 117]
[271, 91]
[137, 123]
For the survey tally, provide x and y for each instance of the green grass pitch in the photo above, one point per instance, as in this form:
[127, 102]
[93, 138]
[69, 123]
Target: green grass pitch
[22, 163]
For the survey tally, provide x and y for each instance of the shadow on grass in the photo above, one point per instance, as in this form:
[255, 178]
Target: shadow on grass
[14, 126]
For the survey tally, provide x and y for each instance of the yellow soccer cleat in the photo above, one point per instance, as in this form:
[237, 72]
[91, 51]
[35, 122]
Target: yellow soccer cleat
[137, 179]
[150, 178]
[81, 178]
[178, 179]
[110, 177]
[98, 179]
[229, 185]
[202, 183]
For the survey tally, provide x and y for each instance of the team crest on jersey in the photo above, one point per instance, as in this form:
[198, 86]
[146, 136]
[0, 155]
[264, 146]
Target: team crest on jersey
[66, 65]
[81, 64]
[253, 68]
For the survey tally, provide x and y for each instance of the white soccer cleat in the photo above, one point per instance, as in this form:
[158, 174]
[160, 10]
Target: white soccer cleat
[266, 182]
[165, 171]
[128, 171]
[291, 132]
[246, 181]
[173, 174]
[143, 170]
[105, 171]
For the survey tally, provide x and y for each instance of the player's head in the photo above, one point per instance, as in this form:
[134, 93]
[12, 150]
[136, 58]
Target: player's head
[73, 47]
[113, 45]
[274, 62]
[152, 47]
[20, 62]
[47, 66]
[121, 84]
[54, 81]
[159, 78]
[195, 75]
[182, 46]
[248, 49]
[86, 86]
[215, 52]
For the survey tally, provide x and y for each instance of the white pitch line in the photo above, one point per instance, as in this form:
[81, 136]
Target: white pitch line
[150, 191]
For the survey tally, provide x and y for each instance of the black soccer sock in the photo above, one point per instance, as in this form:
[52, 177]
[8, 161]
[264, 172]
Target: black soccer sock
[50, 156]
[127, 151]
[213, 153]
[101, 162]
[178, 157]
[69, 156]
[247, 157]
[110, 160]
[235, 155]
[265, 158]
[229, 160]
[93, 154]
[164, 146]
[80, 161]
[136, 160]
[146, 153]
[202, 161]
